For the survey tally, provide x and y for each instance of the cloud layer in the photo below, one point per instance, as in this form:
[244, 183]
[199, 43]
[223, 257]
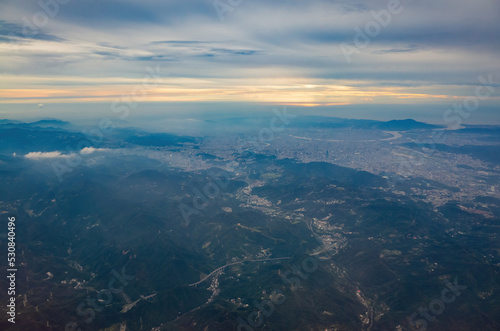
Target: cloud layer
[289, 52]
[59, 155]
[45, 155]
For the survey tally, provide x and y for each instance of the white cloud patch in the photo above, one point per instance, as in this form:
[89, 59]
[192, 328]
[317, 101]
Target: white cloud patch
[90, 150]
[45, 155]
[57, 154]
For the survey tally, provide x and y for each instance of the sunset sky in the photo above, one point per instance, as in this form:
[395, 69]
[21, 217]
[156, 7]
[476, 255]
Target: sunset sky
[299, 53]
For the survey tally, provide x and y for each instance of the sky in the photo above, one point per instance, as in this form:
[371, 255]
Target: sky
[330, 57]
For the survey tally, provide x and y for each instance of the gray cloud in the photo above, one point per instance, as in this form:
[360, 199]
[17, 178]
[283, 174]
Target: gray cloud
[440, 42]
[13, 32]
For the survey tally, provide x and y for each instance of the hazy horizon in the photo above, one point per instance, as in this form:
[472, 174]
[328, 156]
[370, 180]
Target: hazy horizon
[152, 111]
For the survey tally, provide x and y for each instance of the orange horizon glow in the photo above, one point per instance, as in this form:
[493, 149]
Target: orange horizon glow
[293, 93]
